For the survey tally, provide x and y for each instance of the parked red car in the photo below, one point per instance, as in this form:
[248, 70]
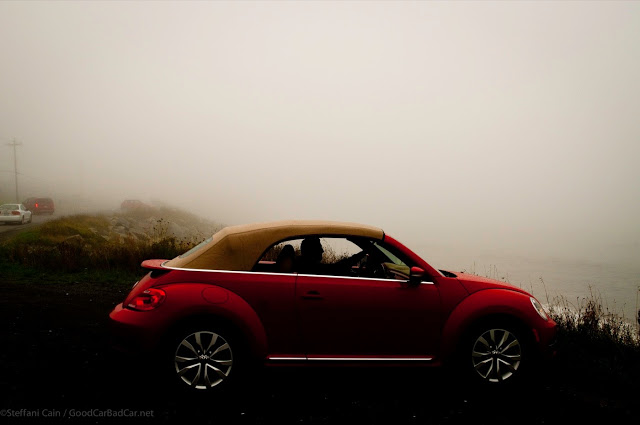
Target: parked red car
[40, 205]
[315, 292]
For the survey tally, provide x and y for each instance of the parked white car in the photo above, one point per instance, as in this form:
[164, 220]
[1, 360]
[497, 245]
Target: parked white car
[14, 213]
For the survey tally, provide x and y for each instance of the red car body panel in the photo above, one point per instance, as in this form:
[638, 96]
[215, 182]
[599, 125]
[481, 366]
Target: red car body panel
[368, 317]
[295, 318]
[259, 304]
[492, 303]
[473, 283]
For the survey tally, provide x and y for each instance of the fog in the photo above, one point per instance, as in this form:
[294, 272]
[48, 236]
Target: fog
[500, 127]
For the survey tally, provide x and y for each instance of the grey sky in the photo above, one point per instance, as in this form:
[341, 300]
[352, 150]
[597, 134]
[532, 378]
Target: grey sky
[497, 125]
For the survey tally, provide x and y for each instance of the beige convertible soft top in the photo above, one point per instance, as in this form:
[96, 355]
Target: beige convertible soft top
[238, 247]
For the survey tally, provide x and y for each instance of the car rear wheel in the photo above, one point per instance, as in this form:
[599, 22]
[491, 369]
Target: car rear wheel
[205, 359]
[497, 354]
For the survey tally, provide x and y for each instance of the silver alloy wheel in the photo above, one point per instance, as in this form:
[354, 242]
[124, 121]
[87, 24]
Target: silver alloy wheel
[496, 355]
[203, 360]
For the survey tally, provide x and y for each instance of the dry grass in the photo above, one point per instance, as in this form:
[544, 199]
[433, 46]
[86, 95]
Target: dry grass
[596, 346]
[76, 243]
[589, 318]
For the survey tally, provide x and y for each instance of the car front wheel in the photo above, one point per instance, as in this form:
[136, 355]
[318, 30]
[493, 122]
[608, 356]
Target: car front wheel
[497, 354]
[204, 359]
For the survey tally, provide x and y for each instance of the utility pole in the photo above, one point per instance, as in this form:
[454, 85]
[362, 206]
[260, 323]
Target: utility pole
[15, 165]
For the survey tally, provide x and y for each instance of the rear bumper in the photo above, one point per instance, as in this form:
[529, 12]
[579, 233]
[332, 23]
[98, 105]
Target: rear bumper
[10, 219]
[130, 333]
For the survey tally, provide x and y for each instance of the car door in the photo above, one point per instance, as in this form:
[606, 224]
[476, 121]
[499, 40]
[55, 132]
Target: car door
[367, 318]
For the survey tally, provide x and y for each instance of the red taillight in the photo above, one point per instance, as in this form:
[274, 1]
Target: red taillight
[36, 205]
[147, 300]
[15, 212]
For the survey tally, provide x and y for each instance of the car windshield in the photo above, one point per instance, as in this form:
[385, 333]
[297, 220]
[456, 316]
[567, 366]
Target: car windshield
[395, 260]
[9, 207]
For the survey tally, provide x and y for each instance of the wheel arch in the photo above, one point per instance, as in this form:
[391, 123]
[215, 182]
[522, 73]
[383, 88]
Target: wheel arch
[482, 308]
[234, 314]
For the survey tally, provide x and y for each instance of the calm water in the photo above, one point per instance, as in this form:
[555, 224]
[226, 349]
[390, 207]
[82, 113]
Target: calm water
[617, 284]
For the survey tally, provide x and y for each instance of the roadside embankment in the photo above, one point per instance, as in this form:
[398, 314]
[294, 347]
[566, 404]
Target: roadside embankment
[106, 241]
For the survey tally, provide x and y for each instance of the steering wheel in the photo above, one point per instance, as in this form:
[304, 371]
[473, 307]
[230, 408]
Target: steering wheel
[372, 268]
[378, 271]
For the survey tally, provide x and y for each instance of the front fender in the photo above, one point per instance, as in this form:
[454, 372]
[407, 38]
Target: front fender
[484, 304]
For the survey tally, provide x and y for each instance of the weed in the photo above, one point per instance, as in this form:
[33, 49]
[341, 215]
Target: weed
[75, 243]
[593, 338]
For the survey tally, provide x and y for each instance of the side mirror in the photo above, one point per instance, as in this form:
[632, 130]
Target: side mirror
[415, 275]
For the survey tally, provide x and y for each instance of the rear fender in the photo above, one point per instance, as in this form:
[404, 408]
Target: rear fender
[187, 302]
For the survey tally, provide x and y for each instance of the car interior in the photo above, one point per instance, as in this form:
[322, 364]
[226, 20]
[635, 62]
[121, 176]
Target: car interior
[366, 258]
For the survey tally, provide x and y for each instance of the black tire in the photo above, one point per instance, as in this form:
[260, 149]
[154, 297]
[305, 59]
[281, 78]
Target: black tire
[496, 354]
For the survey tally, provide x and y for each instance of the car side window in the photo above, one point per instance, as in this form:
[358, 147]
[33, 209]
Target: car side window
[394, 266]
[279, 258]
[334, 256]
[364, 258]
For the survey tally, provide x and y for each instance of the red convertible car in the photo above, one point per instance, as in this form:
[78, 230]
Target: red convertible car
[316, 292]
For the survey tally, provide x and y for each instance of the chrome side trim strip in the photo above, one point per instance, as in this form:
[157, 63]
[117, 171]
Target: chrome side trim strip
[375, 359]
[352, 278]
[286, 358]
[292, 274]
[353, 359]
[229, 271]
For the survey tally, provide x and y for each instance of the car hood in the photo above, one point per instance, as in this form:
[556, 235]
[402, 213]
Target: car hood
[473, 283]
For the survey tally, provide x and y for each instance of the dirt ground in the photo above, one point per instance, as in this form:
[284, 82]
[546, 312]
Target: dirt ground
[55, 360]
